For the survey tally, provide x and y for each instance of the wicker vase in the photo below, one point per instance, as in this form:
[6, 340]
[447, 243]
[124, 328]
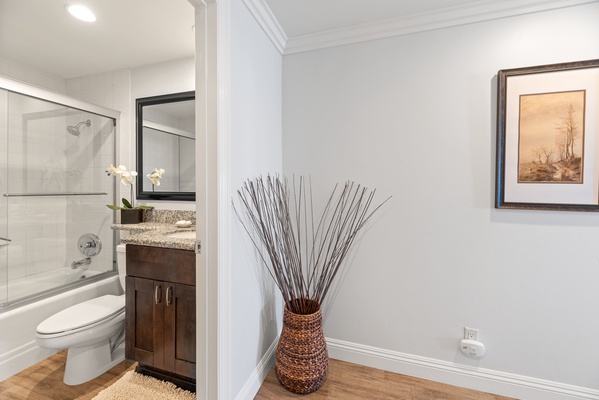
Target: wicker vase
[302, 360]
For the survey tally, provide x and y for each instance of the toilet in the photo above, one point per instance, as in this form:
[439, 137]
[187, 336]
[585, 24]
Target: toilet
[93, 331]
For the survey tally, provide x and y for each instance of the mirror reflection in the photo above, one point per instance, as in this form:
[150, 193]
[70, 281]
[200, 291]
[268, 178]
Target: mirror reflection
[166, 147]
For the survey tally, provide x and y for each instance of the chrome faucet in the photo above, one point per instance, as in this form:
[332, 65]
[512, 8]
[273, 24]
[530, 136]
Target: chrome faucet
[77, 264]
[89, 245]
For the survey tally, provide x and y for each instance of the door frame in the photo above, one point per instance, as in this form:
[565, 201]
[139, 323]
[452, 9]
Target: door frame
[212, 43]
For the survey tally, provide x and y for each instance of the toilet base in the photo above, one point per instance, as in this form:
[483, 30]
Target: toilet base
[87, 363]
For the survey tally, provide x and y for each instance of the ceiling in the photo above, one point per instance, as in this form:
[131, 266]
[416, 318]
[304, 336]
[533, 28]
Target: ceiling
[127, 33]
[131, 33]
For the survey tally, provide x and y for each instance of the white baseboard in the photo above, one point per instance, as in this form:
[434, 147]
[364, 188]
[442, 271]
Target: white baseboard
[252, 385]
[486, 380]
[16, 360]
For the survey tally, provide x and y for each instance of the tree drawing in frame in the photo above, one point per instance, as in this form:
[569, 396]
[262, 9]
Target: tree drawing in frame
[551, 137]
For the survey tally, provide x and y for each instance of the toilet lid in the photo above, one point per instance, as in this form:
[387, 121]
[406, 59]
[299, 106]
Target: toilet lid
[87, 313]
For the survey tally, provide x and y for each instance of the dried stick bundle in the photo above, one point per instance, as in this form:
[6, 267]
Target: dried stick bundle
[302, 255]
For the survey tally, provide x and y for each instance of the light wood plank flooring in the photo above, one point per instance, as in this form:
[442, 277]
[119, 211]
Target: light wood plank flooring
[346, 381]
[43, 381]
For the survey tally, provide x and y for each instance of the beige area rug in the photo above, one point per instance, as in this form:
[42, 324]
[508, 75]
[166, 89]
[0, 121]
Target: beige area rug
[134, 386]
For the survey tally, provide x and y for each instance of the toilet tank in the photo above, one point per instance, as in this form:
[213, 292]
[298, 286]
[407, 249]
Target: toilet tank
[121, 260]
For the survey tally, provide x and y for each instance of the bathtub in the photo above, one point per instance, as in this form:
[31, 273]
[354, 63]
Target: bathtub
[18, 349]
[21, 288]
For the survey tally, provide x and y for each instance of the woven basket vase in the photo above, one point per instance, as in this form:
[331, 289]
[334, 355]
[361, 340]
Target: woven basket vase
[302, 360]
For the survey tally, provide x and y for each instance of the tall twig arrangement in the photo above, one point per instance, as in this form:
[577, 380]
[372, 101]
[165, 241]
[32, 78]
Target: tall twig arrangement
[303, 255]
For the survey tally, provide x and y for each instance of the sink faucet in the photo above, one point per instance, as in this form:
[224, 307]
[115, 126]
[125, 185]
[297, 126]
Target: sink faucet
[77, 264]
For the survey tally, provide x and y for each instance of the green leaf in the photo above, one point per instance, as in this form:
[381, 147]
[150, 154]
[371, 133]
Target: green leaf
[126, 203]
[145, 207]
[112, 207]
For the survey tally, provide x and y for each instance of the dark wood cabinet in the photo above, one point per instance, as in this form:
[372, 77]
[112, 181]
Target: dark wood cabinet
[161, 313]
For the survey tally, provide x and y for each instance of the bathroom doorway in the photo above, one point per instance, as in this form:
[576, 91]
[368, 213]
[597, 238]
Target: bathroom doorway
[211, 328]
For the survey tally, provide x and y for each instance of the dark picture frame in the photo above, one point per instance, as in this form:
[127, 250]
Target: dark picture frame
[548, 137]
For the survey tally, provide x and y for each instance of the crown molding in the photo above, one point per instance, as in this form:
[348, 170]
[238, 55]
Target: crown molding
[267, 21]
[443, 18]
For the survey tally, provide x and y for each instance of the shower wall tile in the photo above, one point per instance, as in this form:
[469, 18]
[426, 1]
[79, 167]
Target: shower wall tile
[38, 157]
[3, 274]
[110, 90]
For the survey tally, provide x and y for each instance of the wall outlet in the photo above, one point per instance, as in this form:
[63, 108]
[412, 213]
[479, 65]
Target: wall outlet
[470, 333]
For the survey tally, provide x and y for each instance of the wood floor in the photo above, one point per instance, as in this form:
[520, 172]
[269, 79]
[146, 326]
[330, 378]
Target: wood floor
[346, 381]
[43, 381]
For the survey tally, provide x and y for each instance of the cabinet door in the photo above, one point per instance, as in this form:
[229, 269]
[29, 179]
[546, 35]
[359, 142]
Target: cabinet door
[145, 321]
[180, 328]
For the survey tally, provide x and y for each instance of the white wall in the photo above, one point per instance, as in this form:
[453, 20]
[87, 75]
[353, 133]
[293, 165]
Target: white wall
[163, 78]
[415, 117]
[32, 76]
[256, 147]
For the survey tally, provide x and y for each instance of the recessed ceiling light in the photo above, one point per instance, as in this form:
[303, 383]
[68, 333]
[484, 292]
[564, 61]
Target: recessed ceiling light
[81, 12]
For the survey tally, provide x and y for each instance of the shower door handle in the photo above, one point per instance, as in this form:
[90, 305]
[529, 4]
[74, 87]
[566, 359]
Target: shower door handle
[6, 240]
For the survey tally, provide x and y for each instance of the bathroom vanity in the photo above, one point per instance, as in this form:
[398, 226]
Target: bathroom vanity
[161, 313]
[161, 303]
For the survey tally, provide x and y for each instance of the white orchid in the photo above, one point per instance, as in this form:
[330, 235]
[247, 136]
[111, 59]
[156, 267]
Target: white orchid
[155, 176]
[127, 178]
[112, 170]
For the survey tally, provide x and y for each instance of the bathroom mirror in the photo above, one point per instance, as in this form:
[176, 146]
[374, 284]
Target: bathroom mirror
[166, 140]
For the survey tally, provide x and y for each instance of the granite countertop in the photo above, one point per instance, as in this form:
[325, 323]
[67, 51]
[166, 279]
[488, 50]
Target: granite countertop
[155, 234]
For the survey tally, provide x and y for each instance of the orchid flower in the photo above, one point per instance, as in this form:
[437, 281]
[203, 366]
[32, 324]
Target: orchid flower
[155, 176]
[127, 178]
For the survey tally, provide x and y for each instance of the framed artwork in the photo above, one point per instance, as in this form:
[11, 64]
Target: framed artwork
[548, 137]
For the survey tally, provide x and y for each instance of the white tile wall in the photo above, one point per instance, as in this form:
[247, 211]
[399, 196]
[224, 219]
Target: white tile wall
[109, 90]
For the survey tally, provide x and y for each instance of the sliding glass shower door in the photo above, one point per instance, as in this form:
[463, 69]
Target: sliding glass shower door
[4, 240]
[54, 192]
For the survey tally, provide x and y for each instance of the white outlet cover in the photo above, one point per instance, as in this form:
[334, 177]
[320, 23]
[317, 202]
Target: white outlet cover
[470, 333]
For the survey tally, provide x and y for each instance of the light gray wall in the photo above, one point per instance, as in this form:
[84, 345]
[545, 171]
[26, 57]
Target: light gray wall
[256, 149]
[415, 117]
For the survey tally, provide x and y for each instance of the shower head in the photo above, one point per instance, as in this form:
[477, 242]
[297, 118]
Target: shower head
[74, 130]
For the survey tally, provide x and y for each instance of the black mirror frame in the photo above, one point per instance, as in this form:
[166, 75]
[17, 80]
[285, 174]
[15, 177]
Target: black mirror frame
[139, 105]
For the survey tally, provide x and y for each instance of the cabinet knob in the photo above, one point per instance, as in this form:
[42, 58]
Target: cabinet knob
[158, 294]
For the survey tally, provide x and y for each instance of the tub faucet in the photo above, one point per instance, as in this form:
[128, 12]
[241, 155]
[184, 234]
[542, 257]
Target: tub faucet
[77, 264]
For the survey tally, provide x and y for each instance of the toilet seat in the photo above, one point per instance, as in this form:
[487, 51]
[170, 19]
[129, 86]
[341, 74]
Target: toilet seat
[83, 316]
